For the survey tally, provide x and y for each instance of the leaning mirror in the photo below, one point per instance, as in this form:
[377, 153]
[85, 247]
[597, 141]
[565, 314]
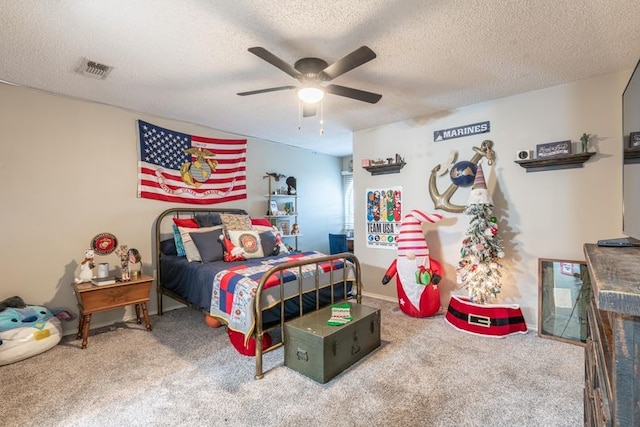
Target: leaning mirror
[563, 297]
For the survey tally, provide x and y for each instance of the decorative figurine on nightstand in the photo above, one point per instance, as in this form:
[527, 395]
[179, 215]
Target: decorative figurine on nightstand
[135, 263]
[86, 267]
[123, 253]
[295, 229]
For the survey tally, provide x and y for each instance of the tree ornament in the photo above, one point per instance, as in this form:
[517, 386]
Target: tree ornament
[493, 219]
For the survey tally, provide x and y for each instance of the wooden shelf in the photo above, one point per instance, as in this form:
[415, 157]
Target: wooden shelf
[385, 169]
[632, 155]
[557, 162]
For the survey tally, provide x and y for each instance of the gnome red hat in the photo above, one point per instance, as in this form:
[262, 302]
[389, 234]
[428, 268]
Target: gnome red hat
[479, 193]
[411, 241]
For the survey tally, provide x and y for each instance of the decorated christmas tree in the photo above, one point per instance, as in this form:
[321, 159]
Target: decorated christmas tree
[479, 267]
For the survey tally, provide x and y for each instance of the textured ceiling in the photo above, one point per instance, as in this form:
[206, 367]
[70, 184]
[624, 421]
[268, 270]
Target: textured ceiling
[187, 59]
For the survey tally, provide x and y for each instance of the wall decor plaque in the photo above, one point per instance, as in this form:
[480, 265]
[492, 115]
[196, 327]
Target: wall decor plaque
[104, 243]
[552, 149]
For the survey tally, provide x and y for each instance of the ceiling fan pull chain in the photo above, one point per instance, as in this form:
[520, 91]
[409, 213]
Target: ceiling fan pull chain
[299, 114]
[321, 117]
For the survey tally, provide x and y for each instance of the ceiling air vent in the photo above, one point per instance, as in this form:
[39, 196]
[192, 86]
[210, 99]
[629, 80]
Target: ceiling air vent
[94, 69]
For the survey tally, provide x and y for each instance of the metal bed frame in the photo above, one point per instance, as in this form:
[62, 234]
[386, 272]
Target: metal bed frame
[260, 330]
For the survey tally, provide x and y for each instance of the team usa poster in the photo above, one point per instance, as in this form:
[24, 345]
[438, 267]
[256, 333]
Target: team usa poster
[384, 215]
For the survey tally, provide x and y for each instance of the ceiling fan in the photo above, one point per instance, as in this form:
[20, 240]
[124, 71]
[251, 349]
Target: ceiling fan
[312, 73]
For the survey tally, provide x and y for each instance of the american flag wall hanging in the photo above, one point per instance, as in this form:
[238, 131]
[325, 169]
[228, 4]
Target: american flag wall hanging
[181, 168]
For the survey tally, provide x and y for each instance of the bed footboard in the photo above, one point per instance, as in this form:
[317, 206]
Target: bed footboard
[341, 277]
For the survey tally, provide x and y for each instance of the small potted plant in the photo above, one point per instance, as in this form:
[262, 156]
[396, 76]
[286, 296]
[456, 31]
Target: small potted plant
[584, 140]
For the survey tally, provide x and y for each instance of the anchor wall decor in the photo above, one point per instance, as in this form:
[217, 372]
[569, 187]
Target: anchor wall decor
[442, 201]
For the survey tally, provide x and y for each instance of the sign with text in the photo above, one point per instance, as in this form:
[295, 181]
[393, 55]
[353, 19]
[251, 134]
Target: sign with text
[460, 131]
[384, 215]
[552, 149]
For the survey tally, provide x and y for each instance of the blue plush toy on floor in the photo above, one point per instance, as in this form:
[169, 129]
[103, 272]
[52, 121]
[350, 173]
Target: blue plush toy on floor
[26, 330]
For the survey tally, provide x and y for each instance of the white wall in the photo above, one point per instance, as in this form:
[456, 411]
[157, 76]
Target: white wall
[544, 214]
[68, 171]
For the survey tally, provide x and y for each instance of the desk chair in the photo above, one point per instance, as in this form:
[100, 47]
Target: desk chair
[337, 243]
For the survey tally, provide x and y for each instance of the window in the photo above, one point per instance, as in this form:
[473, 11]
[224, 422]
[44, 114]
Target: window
[347, 192]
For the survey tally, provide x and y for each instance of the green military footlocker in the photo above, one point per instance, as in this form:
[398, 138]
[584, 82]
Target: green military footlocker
[320, 351]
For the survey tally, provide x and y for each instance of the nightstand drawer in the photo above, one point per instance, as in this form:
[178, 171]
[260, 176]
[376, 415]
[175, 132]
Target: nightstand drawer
[106, 298]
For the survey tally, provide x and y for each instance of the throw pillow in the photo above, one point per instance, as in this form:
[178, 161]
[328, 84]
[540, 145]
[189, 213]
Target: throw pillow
[249, 241]
[208, 219]
[168, 247]
[177, 238]
[186, 222]
[236, 221]
[268, 240]
[182, 222]
[263, 228]
[209, 245]
[260, 221]
[190, 247]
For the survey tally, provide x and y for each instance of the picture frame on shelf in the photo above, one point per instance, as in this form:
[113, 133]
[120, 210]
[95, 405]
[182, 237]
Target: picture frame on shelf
[283, 226]
[288, 208]
[634, 139]
[273, 207]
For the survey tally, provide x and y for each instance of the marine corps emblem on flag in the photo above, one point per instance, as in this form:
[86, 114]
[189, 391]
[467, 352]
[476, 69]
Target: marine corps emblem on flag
[194, 173]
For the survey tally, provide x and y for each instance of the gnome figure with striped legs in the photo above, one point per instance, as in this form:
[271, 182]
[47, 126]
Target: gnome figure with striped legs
[418, 274]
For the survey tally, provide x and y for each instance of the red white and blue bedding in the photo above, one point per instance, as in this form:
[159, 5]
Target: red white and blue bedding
[234, 288]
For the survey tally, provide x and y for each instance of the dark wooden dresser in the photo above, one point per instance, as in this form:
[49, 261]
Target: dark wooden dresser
[612, 351]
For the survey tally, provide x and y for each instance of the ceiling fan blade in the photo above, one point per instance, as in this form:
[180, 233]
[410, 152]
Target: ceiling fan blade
[263, 53]
[308, 110]
[356, 58]
[271, 89]
[358, 94]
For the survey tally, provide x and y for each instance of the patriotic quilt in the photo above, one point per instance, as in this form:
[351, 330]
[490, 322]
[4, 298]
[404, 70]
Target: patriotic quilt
[235, 288]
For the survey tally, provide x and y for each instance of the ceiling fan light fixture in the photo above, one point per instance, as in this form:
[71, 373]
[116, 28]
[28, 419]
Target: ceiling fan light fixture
[310, 94]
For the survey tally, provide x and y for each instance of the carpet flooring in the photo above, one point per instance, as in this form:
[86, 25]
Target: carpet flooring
[184, 373]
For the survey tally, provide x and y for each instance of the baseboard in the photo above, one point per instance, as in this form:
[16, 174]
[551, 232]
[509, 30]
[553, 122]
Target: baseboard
[380, 297]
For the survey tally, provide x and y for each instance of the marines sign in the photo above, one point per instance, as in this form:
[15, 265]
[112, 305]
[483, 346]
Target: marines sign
[457, 132]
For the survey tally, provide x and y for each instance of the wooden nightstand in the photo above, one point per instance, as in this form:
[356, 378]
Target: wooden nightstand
[92, 299]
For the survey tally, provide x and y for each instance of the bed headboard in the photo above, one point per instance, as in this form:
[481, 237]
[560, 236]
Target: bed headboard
[163, 230]
[165, 221]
